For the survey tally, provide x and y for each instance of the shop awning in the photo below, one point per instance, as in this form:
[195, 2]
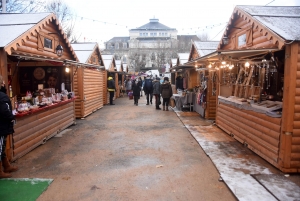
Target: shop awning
[58, 62]
[234, 55]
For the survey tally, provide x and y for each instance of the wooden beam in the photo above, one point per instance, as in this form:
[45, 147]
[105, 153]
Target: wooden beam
[288, 107]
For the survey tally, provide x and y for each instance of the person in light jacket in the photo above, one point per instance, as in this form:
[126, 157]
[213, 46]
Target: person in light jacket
[156, 92]
[166, 93]
[111, 87]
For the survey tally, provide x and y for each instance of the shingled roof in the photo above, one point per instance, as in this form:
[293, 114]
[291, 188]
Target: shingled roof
[283, 20]
[154, 24]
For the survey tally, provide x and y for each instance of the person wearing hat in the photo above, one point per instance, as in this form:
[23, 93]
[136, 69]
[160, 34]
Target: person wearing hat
[148, 89]
[156, 92]
[111, 87]
[166, 93]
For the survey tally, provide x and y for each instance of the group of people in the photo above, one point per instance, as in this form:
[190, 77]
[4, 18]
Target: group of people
[151, 87]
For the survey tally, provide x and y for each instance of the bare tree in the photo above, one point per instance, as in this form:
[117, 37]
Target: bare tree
[23, 6]
[203, 36]
[65, 16]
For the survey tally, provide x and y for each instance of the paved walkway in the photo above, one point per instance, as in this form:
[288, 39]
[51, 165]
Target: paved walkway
[248, 176]
[125, 152]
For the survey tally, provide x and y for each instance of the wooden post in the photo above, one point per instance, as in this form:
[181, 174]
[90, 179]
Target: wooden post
[80, 83]
[3, 65]
[288, 107]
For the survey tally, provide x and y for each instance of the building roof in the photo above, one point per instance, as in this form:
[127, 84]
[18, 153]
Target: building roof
[84, 50]
[119, 39]
[108, 59]
[283, 20]
[17, 24]
[206, 47]
[154, 24]
[16, 27]
[183, 57]
[118, 65]
[188, 37]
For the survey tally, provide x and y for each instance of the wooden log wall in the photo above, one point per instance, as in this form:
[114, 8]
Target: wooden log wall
[35, 129]
[257, 36]
[105, 93]
[295, 146]
[35, 43]
[290, 137]
[211, 102]
[89, 89]
[193, 75]
[260, 132]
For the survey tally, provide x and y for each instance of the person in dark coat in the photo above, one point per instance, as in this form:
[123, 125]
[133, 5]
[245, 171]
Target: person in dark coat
[111, 88]
[7, 120]
[166, 93]
[148, 89]
[179, 82]
[156, 92]
[136, 90]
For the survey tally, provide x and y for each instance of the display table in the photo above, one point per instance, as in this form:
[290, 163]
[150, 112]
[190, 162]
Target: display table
[21, 114]
[36, 127]
[182, 101]
[198, 108]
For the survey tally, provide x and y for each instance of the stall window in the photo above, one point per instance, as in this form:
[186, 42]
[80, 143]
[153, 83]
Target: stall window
[124, 45]
[242, 40]
[48, 43]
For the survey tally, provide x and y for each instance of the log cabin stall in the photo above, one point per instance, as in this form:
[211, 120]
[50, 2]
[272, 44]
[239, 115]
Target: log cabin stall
[204, 101]
[88, 79]
[121, 75]
[185, 76]
[34, 53]
[258, 82]
[110, 69]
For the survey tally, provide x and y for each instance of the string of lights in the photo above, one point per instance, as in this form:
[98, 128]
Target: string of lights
[198, 28]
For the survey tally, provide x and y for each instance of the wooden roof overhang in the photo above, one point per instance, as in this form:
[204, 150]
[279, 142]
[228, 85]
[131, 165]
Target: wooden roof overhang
[237, 12]
[192, 51]
[11, 47]
[229, 55]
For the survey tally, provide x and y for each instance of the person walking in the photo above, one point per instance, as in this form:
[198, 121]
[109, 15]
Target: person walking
[128, 85]
[166, 93]
[136, 89]
[111, 87]
[156, 92]
[7, 120]
[148, 89]
[142, 84]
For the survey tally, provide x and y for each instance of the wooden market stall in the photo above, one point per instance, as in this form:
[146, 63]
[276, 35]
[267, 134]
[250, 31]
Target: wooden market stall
[110, 69]
[121, 77]
[88, 79]
[205, 98]
[32, 63]
[258, 82]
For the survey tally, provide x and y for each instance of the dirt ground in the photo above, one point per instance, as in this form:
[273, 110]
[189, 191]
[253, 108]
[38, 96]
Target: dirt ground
[125, 152]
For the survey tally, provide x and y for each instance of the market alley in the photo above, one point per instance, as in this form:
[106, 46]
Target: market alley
[125, 152]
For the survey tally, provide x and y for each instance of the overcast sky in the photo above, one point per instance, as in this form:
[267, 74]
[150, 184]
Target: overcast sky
[99, 21]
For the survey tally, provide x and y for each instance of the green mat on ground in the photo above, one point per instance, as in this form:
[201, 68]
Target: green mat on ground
[22, 189]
